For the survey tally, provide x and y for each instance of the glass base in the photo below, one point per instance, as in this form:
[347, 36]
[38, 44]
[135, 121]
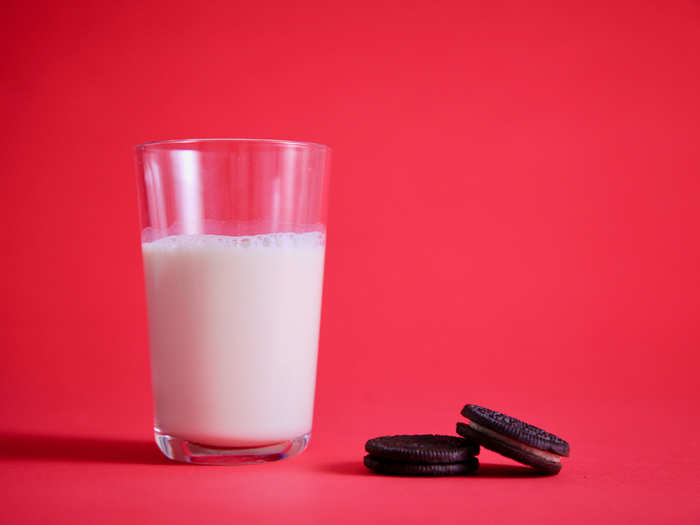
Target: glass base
[179, 449]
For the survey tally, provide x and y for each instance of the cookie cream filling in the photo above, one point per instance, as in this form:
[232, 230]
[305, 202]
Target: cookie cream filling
[549, 456]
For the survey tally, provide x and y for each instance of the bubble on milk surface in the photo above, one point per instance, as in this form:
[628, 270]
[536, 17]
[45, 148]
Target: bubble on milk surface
[283, 240]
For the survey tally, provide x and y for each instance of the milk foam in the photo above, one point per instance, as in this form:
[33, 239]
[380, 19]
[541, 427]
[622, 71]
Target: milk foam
[226, 242]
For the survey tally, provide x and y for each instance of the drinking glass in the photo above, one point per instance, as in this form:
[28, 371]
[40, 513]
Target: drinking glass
[233, 235]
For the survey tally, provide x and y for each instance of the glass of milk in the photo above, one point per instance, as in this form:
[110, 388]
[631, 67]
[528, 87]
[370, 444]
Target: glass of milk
[233, 236]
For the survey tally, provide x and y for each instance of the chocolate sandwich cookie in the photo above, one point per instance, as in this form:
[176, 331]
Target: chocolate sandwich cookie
[398, 468]
[421, 455]
[514, 438]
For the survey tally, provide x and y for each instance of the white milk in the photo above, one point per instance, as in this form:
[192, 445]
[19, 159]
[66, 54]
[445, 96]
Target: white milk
[233, 324]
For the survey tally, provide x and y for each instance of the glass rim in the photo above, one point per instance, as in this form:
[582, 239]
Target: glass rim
[154, 144]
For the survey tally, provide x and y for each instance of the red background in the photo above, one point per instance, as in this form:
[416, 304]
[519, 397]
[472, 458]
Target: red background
[513, 222]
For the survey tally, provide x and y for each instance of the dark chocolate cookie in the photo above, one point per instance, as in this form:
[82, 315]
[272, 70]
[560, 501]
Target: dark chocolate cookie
[516, 429]
[399, 468]
[426, 448]
[514, 438]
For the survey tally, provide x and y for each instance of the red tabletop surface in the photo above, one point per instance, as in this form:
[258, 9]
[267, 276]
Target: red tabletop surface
[631, 462]
[513, 222]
